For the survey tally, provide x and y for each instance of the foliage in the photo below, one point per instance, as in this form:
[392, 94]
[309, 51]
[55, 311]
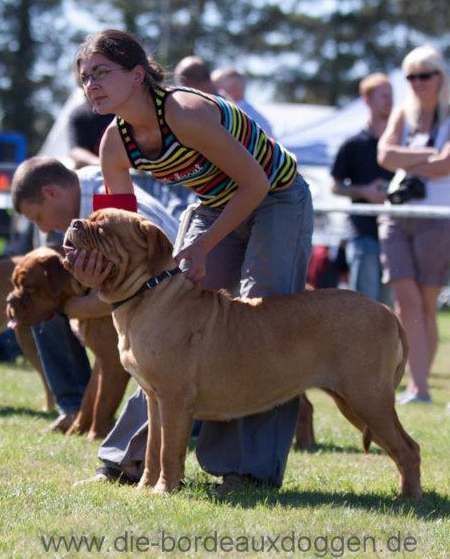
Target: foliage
[30, 47]
[297, 50]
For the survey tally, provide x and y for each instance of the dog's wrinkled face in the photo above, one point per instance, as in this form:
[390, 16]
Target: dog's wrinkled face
[132, 243]
[38, 281]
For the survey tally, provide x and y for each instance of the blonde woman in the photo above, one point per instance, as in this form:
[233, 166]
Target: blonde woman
[415, 252]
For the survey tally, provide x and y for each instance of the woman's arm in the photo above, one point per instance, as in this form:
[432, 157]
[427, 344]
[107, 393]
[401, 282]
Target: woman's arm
[391, 154]
[114, 162]
[436, 165]
[196, 123]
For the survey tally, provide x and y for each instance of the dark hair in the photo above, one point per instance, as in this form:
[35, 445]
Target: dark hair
[124, 49]
[35, 173]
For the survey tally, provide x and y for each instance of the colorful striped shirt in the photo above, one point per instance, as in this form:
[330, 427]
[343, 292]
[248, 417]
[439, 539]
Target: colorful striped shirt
[178, 164]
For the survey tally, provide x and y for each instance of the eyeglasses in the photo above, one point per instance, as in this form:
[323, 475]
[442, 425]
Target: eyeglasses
[422, 76]
[97, 75]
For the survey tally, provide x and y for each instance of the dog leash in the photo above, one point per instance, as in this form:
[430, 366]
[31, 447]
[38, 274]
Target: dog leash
[149, 284]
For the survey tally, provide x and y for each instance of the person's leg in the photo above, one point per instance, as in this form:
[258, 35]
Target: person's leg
[276, 261]
[64, 362]
[363, 256]
[430, 295]
[123, 450]
[409, 307]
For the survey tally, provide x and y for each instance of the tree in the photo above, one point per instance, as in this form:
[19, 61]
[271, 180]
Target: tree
[27, 65]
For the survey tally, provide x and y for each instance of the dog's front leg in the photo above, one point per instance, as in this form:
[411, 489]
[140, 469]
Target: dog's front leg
[176, 422]
[153, 451]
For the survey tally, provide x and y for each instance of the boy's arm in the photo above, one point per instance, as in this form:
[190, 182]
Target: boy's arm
[87, 306]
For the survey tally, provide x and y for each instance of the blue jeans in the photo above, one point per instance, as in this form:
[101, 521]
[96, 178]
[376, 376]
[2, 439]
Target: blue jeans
[363, 257]
[64, 362]
[268, 254]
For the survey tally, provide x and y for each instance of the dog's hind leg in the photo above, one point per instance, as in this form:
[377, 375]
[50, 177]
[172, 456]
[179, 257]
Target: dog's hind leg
[27, 345]
[152, 467]
[304, 433]
[384, 425]
[112, 383]
[176, 423]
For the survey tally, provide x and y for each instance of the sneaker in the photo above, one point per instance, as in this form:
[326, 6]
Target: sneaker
[106, 474]
[414, 399]
[232, 484]
[405, 395]
[63, 422]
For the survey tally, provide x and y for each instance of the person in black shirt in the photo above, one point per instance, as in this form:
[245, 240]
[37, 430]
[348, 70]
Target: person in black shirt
[86, 129]
[357, 175]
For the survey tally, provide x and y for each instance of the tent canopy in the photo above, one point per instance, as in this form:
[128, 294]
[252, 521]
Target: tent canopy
[317, 144]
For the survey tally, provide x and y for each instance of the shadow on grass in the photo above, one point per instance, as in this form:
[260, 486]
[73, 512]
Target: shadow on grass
[322, 448]
[431, 507]
[7, 411]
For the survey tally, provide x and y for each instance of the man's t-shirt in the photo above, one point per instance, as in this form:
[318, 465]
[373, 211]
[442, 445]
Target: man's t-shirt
[86, 127]
[356, 162]
[91, 182]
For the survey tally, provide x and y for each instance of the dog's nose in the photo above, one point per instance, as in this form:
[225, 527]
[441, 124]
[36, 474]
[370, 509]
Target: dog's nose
[76, 224]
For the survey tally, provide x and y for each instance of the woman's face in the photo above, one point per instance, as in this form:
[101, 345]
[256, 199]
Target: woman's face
[106, 84]
[425, 82]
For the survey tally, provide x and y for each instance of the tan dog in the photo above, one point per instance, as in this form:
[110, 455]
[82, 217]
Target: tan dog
[23, 333]
[199, 354]
[41, 285]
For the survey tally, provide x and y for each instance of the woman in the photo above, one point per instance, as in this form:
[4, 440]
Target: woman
[251, 232]
[415, 252]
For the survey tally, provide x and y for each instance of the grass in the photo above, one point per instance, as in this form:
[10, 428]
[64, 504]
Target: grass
[339, 501]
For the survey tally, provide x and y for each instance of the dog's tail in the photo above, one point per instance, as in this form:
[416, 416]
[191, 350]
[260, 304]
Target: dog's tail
[367, 439]
[402, 352]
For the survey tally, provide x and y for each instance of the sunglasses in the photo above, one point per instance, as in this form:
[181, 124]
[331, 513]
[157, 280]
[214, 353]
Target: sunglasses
[422, 76]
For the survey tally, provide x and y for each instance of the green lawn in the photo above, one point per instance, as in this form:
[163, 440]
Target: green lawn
[336, 501]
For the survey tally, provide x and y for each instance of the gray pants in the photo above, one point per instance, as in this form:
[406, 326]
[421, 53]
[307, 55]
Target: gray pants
[267, 254]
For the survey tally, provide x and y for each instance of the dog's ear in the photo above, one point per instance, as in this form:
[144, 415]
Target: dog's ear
[57, 276]
[159, 248]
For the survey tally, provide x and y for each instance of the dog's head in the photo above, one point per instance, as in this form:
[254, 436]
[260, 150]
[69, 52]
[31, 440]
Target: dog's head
[39, 280]
[137, 248]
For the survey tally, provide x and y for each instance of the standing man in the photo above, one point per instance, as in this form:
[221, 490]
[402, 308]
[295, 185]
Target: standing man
[86, 128]
[357, 175]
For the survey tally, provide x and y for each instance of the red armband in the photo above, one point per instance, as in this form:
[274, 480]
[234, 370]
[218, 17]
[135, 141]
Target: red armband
[119, 201]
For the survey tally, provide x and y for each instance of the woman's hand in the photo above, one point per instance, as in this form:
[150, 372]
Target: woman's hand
[89, 272]
[195, 256]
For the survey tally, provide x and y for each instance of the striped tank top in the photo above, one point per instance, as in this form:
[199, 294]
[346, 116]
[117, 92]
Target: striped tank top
[180, 165]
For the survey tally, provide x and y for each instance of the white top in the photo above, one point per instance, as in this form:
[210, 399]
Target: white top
[438, 188]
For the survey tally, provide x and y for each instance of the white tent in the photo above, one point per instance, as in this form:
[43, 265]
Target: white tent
[317, 143]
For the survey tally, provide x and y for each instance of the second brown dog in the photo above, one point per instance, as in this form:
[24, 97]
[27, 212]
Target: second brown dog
[41, 285]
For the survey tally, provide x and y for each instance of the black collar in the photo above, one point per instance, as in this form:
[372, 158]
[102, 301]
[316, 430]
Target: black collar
[152, 282]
